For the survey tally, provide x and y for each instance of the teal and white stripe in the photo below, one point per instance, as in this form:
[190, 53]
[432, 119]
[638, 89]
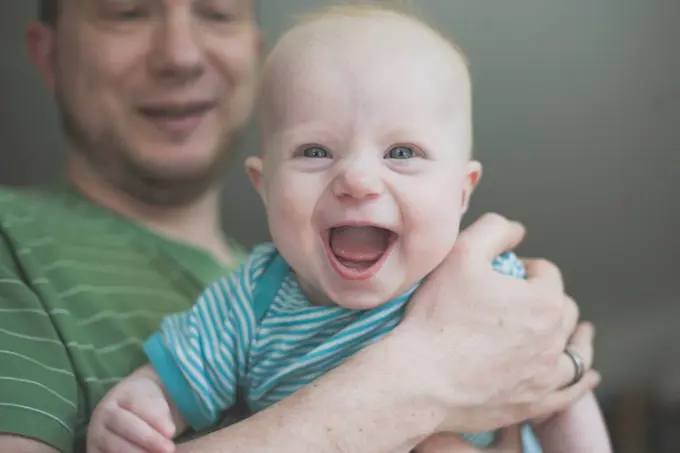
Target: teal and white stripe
[205, 354]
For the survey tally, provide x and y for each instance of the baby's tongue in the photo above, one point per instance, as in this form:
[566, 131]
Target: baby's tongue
[359, 243]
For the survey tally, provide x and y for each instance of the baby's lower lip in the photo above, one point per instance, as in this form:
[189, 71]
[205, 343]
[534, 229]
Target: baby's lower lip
[357, 266]
[357, 270]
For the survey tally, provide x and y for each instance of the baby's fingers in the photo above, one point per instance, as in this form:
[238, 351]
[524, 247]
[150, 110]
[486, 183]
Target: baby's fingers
[153, 410]
[136, 431]
[110, 443]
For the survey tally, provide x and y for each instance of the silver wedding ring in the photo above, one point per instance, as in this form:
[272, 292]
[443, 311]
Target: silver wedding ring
[579, 364]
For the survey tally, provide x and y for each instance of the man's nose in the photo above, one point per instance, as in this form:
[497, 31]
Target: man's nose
[178, 52]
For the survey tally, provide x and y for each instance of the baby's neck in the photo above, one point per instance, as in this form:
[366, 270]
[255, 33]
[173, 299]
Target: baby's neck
[314, 296]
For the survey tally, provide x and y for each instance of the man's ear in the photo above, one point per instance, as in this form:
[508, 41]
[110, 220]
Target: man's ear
[40, 42]
[473, 174]
[254, 169]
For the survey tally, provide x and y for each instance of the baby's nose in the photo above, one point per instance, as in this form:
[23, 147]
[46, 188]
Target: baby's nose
[358, 184]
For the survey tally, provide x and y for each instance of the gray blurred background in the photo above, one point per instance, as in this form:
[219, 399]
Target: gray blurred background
[577, 110]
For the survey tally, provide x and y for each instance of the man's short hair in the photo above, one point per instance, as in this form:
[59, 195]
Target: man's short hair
[48, 11]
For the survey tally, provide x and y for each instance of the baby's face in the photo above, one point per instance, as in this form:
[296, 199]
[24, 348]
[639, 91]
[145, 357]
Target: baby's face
[366, 172]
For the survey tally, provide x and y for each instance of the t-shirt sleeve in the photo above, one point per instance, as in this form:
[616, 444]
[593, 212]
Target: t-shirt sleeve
[201, 353]
[38, 389]
[509, 264]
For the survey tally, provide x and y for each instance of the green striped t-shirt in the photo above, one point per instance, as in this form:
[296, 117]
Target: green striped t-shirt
[81, 289]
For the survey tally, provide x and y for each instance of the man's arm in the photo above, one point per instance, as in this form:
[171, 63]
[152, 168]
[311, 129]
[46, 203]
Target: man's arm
[449, 366]
[356, 407]
[16, 444]
[37, 385]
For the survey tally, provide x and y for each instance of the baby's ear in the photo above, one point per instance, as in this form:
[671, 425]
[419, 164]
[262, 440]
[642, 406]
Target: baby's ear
[253, 166]
[473, 174]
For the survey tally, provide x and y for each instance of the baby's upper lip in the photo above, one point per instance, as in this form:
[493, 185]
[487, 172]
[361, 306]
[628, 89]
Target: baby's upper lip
[360, 223]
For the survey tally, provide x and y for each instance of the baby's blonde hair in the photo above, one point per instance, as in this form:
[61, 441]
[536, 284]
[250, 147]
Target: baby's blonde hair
[367, 9]
[351, 9]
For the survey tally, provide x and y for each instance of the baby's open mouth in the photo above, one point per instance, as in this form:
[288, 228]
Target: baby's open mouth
[358, 252]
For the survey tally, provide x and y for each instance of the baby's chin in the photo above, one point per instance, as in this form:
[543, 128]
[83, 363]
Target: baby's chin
[366, 298]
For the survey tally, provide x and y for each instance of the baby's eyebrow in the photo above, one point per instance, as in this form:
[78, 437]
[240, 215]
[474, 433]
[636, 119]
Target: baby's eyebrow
[303, 133]
[404, 132]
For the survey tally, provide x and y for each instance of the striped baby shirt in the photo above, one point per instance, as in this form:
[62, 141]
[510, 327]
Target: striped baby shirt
[254, 333]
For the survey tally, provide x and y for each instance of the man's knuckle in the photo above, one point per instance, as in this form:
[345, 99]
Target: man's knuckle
[550, 267]
[542, 263]
[493, 217]
[576, 310]
[553, 311]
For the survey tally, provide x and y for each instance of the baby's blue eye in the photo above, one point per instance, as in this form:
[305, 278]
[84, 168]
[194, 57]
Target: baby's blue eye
[400, 152]
[316, 152]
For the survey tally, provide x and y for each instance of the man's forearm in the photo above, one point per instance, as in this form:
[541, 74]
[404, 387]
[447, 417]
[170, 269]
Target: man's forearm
[18, 444]
[365, 405]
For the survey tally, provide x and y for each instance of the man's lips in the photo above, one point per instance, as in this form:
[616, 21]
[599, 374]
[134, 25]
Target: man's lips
[176, 118]
[176, 108]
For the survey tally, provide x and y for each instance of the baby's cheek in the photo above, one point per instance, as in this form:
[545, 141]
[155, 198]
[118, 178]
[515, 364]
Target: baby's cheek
[289, 202]
[430, 238]
[285, 218]
[289, 214]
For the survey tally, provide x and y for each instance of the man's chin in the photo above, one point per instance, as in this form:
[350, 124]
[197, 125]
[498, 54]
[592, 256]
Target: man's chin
[167, 185]
[174, 175]
[149, 171]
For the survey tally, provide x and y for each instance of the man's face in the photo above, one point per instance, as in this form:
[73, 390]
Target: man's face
[153, 93]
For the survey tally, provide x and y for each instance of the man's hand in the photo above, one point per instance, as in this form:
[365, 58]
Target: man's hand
[476, 351]
[488, 348]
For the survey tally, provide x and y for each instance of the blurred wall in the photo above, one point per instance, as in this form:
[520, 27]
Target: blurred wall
[577, 110]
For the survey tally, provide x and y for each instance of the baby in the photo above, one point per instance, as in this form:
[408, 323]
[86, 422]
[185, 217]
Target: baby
[365, 173]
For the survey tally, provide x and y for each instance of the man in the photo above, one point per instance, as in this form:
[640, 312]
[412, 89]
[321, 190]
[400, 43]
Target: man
[153, 96]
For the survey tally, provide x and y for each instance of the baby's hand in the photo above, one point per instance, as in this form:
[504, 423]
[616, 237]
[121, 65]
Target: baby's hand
[134, 417]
